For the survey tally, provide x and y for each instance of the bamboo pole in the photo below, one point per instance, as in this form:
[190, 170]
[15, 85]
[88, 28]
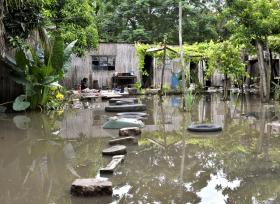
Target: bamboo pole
[163, 67]
[182, 58]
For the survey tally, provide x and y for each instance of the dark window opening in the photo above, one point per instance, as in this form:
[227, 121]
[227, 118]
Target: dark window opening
[106, 63]
[147, 80]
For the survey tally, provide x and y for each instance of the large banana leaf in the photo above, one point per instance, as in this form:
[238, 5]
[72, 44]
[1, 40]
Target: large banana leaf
[21, 59]
[45, 42]
[67, 56]
[41, 72]
[19, 79]
[45, 95]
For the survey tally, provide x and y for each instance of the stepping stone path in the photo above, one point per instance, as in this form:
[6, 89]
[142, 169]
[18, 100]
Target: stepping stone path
[131, 131]
[115, 150]
[109, 169]
[91, 187]
[123, 140]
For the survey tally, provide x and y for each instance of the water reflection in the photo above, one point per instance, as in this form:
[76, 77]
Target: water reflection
[41, 154]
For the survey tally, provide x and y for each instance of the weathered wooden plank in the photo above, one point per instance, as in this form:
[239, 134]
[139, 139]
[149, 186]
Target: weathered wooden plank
[116, 160]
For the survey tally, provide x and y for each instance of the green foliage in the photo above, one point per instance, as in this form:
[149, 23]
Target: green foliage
[251, 20]
[21, 18]
[189, 100]
[148, 21]
[137, 85]
[225, 58]
[274, 43]
[74, 19]
[276, 90]
[20, 104]
[195, 52]
[56, 97]
[37, 70]
[166, 88]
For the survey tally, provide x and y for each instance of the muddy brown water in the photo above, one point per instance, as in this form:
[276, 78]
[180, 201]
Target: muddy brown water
[41, 154]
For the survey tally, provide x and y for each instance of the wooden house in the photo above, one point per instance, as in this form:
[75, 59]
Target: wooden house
[100, 65]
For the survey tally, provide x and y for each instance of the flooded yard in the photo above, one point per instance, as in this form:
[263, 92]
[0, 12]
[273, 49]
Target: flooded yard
[41, 154]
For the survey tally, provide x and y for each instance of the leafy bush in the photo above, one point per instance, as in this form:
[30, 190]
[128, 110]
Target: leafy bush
[37, 70]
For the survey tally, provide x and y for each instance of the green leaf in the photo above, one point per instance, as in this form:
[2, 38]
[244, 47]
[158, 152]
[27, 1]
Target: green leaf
[21, 59]
[67, 56]
[20, 104]
[29, 89]
[19, 80]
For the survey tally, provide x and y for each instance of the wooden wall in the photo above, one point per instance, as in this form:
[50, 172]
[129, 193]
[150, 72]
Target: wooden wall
[9, 90]
[126, 61]
[170, 67]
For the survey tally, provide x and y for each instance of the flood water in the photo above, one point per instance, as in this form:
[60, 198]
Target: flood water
[41, 154]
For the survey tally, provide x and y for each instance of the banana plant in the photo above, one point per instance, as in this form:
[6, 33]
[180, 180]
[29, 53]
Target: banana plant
[37, 69]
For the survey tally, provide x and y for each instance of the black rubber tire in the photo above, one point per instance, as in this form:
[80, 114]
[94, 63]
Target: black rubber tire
[205, 128]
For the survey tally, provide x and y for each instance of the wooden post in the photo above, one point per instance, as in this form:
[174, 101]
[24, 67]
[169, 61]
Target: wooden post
[163, 67]
[182, 57]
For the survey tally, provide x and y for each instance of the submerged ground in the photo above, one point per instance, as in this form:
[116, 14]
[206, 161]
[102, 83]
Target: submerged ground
[41, 154]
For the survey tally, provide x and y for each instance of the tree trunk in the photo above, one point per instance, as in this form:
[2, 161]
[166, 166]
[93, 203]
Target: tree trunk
[2, 30]
[265, 72]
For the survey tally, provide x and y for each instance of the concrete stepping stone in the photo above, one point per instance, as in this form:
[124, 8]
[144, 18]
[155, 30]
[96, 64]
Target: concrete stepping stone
[129, 131]
[91, 187]
[109, 169]
[115, 150]
[114, 100]
[123, 140]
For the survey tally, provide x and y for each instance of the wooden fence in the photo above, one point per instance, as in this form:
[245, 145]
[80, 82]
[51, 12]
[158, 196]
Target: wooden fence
[9, 90]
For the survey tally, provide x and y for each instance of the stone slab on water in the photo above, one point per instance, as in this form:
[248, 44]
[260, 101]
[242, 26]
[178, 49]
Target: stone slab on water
[109, 169]
[91, 187]
[114, 100]
[115, 150]
[130, 131]
[123, 140]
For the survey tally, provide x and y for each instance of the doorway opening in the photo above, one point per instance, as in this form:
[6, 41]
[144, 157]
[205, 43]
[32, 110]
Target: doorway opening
[147, 79]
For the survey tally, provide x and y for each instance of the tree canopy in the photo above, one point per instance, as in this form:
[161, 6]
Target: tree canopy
[148, 21]
[73, 19]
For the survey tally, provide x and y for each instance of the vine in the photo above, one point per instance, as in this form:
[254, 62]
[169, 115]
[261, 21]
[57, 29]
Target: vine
[194, 52]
